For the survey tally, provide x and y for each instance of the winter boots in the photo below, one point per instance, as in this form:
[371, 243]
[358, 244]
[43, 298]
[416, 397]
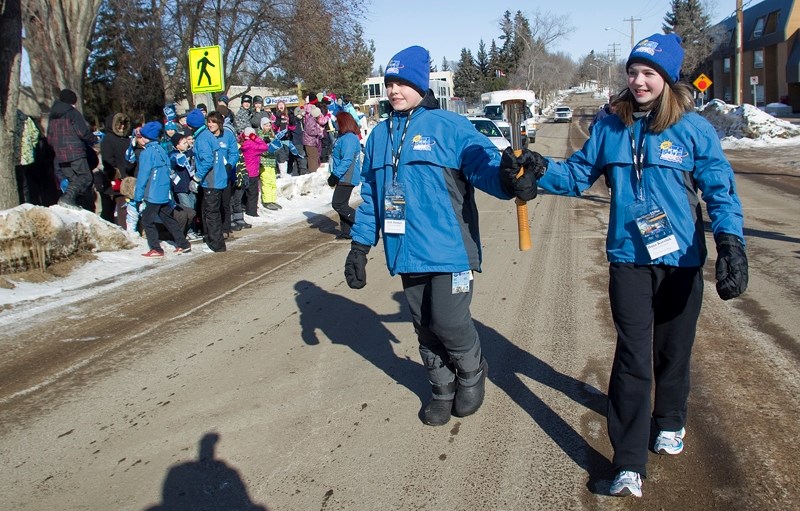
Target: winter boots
[438, 410]
[470, 397]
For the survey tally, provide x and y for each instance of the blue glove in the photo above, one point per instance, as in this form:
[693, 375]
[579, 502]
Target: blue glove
[64, 184]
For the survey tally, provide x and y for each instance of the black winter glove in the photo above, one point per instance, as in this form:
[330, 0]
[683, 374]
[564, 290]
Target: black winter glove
[731, 266]
[523, 187]
[355, 266]
[333, 180]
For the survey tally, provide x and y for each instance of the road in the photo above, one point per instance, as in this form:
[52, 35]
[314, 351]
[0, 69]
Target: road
[258, 378]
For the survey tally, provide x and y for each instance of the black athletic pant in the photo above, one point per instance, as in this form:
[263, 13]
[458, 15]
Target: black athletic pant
[448, 340]
[212, 219]
[341, 204]
[655, 311]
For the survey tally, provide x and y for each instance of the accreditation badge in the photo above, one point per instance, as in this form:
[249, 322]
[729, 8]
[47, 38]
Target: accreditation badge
[655, 229]
[461, 281]
[394, 208]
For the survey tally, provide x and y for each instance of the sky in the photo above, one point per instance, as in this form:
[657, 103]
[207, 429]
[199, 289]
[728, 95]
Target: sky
[444, 31]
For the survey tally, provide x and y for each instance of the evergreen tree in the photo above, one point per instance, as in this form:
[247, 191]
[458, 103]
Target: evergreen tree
[467, 79]
[689, 20]
[445, 65]
[505, 58]
[482, 60]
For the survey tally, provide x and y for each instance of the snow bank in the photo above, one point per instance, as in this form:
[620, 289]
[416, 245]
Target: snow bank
[33, 237]
[746, 121]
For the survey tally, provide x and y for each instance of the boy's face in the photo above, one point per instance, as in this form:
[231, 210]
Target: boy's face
[402, 97]
[183, 145]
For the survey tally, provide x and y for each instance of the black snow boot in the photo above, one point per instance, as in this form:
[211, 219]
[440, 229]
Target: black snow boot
[437, 411]
[470, 398]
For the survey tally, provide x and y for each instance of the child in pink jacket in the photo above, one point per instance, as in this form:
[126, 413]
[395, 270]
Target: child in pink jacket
[252, 148]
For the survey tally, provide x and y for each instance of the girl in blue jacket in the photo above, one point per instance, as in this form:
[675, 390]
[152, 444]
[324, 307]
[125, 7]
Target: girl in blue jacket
[345, 171]
[153, 186]
[657, 153]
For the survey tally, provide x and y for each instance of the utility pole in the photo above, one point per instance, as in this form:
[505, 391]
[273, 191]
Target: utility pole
[737, 77]
[632, 20]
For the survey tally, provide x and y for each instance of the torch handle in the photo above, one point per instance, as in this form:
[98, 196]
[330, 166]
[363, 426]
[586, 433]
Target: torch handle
[523, 227]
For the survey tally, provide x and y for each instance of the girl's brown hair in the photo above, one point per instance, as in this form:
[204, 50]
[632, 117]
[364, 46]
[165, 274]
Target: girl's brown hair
[347, 124]
[668, 108]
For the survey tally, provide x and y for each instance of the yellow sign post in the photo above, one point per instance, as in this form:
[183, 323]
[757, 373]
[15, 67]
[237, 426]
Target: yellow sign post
[702, 82]
[206, 71]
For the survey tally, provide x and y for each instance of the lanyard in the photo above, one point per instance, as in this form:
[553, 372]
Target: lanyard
[638, 156]
[396, 155]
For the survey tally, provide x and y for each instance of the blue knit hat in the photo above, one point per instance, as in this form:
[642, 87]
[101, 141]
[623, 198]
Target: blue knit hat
[195, 118]
[662, 52]
[170, 125]
[151, 130]
[411, 67]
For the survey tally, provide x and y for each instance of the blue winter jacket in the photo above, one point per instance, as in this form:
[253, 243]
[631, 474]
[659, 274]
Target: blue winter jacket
[346, 157]
[209, 161]
[152, 181]
[676, 163]
[442, 161]
[230, 149]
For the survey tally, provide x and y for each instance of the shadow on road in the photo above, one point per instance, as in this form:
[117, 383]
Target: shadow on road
[508, 363]
[206, 484]
[356, 326]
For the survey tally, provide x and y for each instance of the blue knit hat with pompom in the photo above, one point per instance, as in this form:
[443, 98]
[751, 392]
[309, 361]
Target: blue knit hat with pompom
[662, 52]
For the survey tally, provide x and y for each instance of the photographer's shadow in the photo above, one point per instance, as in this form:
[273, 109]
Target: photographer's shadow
[358, 327]
[508, 362]
[206, 484]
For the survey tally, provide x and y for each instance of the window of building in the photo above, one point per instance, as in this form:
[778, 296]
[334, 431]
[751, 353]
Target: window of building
[375, 90]
[726, 65]
[727, 95]
[758, 31]
[758, 59]
[772, 22]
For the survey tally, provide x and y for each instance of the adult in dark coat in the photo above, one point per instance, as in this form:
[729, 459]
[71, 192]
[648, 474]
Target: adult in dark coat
[116, 141]
[70, 136]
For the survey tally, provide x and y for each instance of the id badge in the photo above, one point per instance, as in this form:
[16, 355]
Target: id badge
[461, 281]
[394, 206]
[655, 229]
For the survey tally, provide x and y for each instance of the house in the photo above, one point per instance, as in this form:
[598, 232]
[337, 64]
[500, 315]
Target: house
[770, 55]
[441, 82]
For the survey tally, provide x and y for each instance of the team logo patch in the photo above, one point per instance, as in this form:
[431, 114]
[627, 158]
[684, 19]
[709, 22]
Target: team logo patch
[393, 67]
[646, 46]
[672, 152]
[420, 143]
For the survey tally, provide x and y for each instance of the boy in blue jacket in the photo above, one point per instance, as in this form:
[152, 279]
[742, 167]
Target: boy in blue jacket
[420, 170]
[153, 187]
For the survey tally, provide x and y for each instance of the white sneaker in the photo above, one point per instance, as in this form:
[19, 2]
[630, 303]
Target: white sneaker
[627, 483]
[670, 442]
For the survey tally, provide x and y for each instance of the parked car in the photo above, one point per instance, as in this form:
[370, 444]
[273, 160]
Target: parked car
[488, 128]
[562, 114]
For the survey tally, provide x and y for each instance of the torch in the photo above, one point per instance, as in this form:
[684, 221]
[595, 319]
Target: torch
[514, 110]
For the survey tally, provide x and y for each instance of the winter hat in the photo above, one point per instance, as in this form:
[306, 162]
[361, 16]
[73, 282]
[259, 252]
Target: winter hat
[195, 118]
[170, 126]
[151, 130]
[264, 122]
[662, 52]
[298, 111]
[223, 99]
[315, 111]
[249, 131]
[176, 139]
[411, 67]
[247, 99]
[68, 97]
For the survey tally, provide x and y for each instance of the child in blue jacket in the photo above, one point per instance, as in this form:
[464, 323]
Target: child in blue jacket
[153, 187]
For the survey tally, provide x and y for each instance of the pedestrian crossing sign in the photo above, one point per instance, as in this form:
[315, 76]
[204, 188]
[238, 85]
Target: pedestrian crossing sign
[206, 71]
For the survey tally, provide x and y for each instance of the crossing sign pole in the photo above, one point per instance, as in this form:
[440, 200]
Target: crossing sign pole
[206, 69]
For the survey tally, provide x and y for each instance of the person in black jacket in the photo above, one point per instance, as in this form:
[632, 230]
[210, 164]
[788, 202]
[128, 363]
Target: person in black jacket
[71, 137]
[116, 141]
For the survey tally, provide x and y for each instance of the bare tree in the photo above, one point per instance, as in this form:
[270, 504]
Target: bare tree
[57, 37]
[545, 29]
[10, 56]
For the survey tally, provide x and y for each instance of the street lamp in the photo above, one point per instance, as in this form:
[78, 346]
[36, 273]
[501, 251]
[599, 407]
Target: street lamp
[621, 32]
